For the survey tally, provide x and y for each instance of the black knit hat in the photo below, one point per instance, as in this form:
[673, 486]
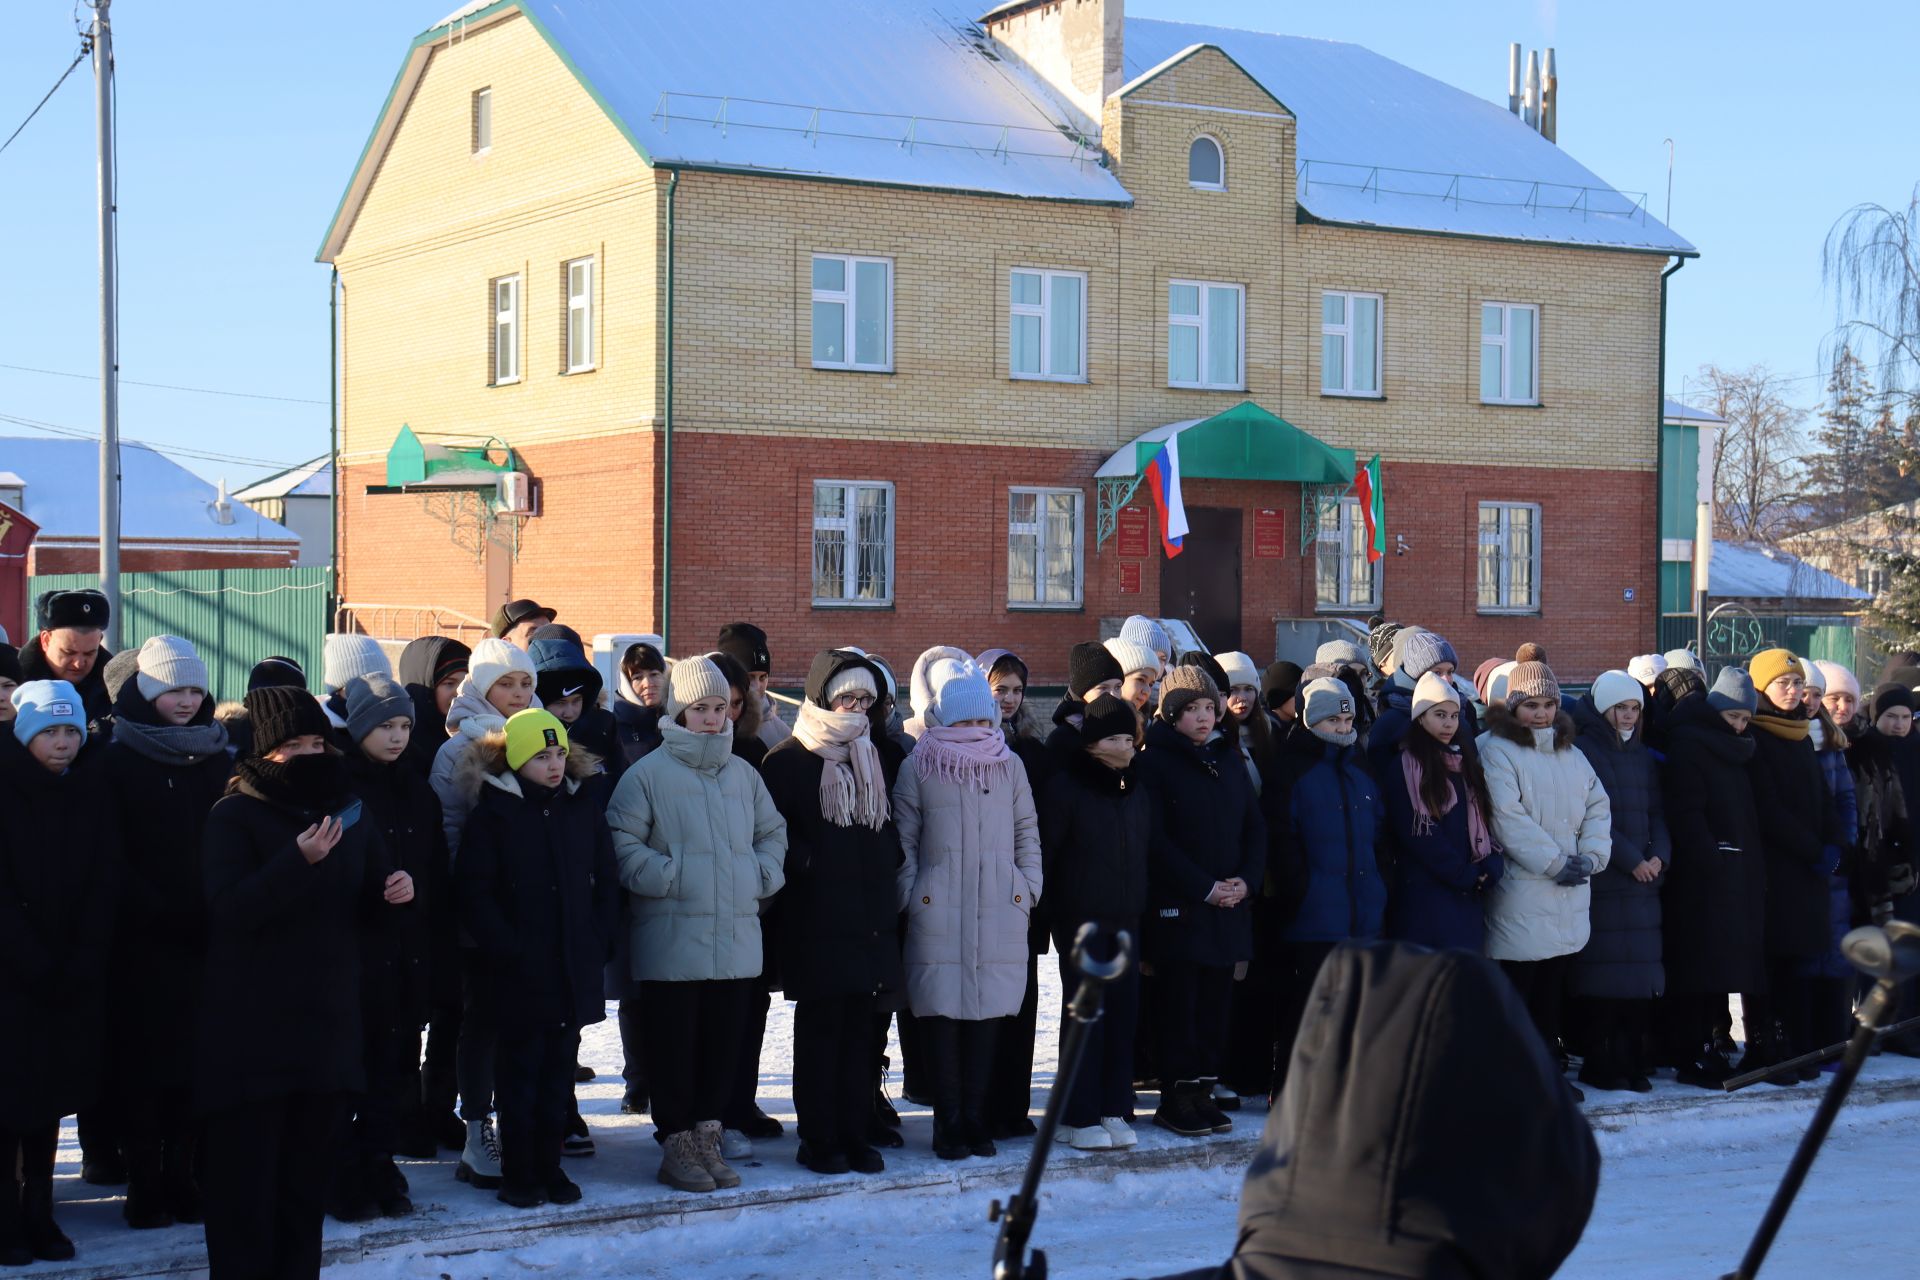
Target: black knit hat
[280, 712]
[1890, 695]
[746, 644]
[83, 608]
[1208, 663]
[1088, 665]
[276, 671]
[1278, 683]
[1108, 717]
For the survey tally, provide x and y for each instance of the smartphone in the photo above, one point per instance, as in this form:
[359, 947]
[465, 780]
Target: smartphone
[348, 815]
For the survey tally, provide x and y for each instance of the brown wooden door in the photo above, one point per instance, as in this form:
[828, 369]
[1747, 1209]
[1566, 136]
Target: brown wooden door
[1202, 583]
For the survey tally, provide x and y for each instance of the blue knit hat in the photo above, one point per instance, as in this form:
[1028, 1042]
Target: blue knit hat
[1733, 691]
[961, 692]
[39, 705]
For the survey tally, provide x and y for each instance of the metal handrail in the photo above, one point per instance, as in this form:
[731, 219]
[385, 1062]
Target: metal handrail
[380, 620]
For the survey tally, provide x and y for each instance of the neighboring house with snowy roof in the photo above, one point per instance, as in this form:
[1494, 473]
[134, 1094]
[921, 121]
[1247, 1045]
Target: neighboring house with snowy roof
[169, 517]
[870, 303]
[300, 498]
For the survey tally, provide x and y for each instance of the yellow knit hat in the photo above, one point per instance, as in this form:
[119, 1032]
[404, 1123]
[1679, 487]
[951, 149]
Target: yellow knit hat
[1770, 664]
[530, 732]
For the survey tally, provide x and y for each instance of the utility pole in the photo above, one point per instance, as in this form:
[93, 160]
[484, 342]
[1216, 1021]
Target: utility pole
[100, 36]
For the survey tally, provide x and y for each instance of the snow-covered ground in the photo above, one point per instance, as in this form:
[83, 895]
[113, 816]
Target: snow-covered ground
[1686, 1177]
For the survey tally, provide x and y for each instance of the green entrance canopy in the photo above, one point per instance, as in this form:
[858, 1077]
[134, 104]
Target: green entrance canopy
[1243, 443]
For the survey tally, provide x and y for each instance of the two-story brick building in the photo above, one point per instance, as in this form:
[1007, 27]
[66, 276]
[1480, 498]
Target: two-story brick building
[849, 318]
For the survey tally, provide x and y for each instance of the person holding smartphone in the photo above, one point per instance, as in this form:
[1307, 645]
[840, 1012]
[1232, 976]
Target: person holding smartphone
[293, 881]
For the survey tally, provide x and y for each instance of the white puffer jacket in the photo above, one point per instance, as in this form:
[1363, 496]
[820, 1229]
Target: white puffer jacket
[1547, 805]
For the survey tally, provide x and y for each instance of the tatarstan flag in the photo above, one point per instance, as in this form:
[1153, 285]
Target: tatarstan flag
[1373, 508]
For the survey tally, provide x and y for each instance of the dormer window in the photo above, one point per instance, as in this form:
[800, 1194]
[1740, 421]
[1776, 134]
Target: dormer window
[1206, 165]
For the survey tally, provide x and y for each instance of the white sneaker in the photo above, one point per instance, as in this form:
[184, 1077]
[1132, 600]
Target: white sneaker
[735, 1145]
[1119, 1130]
[1091, 1137]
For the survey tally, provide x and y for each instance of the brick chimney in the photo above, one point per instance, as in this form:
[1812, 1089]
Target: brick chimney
[1072, 45]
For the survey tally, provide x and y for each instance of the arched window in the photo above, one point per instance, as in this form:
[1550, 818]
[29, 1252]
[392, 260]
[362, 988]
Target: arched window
[1206, 164]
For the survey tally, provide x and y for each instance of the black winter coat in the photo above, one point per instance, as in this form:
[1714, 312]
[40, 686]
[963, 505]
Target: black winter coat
[418, 661]
[281, 1008]
[1796, 831]
[1713, 911]
[1886, 832]
[539, 893]
[1097, 825]
[1622, 959]
[413, 962]
[58, 856]
[636, 731]
[92, 691]
[1210, 829]
[1041, 764]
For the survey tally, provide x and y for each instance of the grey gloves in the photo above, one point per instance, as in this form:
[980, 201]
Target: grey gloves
[1578, 870]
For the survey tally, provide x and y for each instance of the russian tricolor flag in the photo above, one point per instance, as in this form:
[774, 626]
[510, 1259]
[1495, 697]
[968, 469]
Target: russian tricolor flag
[1163, 481]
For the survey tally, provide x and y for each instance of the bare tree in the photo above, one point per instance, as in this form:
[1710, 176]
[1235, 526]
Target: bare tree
[1756, 466]
[1871, 260]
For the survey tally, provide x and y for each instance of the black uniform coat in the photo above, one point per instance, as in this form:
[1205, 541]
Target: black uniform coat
[58, 855]
[1713, 911]
[1209, 829]
[413, 961]
[1796, 831]
[1621, 960]
[1096, 827]
[92, 691]
[284, 938]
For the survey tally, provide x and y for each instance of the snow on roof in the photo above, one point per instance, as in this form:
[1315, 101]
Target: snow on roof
[159, 498]
[1381, 144]
[308, 480]
[1680, 411]
[1754, 569]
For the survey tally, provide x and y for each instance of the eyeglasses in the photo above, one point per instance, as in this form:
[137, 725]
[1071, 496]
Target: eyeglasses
[853, 702]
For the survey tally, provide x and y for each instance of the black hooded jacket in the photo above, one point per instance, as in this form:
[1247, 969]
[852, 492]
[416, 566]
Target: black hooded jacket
[419, 662]
[1713, 906]
[1424, 1132]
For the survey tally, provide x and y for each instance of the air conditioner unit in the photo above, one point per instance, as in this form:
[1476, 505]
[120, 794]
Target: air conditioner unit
[516, 495]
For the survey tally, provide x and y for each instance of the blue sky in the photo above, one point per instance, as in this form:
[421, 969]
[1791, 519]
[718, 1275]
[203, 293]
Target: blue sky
[239, 126]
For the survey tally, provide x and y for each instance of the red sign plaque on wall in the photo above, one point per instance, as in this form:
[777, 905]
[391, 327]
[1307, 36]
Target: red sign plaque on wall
[1269, 534]
[1129, 578]
[1132, 536]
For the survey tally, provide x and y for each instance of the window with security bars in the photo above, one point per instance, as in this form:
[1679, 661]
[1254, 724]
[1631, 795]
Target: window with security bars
[1509, 557]
[852, 542]
[1343, 577]
[1043, 547]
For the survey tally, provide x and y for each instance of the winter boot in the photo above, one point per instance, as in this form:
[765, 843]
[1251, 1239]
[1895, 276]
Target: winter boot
[823, 1160]
[146, 1206]
[634, 1102]
[387, 1187]
[480, 1160]
[862, 1158]
[879, 1135]
[45, 1239]
[561, 1189]
[582, 1074]
[1119, 1130]
[521, 1197]
[348, 1199]
[883, 1112]
[1225, 1098]
[579, 1139]
[1706, 1070]
[758, 1125]
[706, 1149]
[976, 1084]
[1203, 1102]
[1603, 1066]
[1092, 1137]
[680, 1166]
[13, 1227]
[949, 1122]
[1179, 1113]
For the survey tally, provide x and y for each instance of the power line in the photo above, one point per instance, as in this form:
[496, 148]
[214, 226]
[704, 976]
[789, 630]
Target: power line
[163, 386]
[172, 451]
[78, 58]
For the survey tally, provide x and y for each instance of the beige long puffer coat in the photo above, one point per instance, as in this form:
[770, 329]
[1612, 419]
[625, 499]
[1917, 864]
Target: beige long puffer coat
[1547, 805]
[970, 881]
[700, 848]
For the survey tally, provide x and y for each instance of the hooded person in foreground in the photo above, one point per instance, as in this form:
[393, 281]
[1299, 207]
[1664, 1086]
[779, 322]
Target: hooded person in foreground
[1423, 1132]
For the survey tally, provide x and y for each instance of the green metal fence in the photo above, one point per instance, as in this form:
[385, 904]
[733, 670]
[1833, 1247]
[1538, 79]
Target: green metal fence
[1828, 641]
[234, 617]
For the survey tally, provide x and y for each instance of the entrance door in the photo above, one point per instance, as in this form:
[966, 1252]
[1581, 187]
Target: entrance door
[1202, 583]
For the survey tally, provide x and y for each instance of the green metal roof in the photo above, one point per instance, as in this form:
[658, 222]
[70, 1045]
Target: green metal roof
[1243, 443]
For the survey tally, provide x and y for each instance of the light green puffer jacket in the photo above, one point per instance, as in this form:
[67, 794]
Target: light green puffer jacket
[700, 847]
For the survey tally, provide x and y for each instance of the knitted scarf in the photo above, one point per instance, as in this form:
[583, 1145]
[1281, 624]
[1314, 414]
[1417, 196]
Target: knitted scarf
[970, 757]
[172, 744]
[1793, 726]
[1479, 837]
[852, 786]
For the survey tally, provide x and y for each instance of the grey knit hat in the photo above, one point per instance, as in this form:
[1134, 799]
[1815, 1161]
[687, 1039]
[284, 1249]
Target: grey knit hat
[345, 654]
[1421, 651]
[1335, 652]
[121, 667]
[1184, 686]
[1733, 691]
[167, 663]
[1531, 680]
[372, 701]
[692, 679]
[1324, 699]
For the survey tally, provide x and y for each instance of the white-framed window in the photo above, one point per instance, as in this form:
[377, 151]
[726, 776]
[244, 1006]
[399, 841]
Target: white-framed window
[852, 542]
[506, 330]
[1047, 324]
[579, 297]
[482, 121]
[1343, 577]
[1350, 343]
[1043, 547]
[1509, 353]
[1205, 335]
[1207, 164]
[852, 312]
[1509, 557]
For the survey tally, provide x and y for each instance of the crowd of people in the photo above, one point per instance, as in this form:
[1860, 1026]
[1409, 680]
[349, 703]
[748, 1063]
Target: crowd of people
[263, 948]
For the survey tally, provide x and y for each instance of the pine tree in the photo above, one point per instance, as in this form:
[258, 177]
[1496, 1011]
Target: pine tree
[1853, 458]
[1894, 616]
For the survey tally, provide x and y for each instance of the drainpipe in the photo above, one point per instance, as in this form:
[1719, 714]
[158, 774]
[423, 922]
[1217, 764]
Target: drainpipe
[1660, 458]
[666, 483]
[333, 447]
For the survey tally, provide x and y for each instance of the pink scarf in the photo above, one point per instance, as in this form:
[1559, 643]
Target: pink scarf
[1479, 838]
[852, 786]
[970, 757]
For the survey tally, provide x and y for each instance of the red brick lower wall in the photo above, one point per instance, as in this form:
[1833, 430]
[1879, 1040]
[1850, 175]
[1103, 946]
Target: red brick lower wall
[742, 549]
[137, 559]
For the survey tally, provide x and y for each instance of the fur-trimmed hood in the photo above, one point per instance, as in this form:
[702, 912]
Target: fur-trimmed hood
[1501, 723]
[485, 764]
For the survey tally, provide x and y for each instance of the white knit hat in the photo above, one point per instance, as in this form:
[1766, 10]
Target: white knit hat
[1133, 657]
[961, 693]
[1835, 678]
[692, 679]
[493, 658]
[1647, 667]
[168, 663]
[1239, 668]
[1433, 691]
[852, 678]
[344, 655]
[1612, 688]
[1683, 658]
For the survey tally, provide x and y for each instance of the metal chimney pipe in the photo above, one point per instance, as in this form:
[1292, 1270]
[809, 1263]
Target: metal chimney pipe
[1513, 77]
[1531, 101]
[1550, 100]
